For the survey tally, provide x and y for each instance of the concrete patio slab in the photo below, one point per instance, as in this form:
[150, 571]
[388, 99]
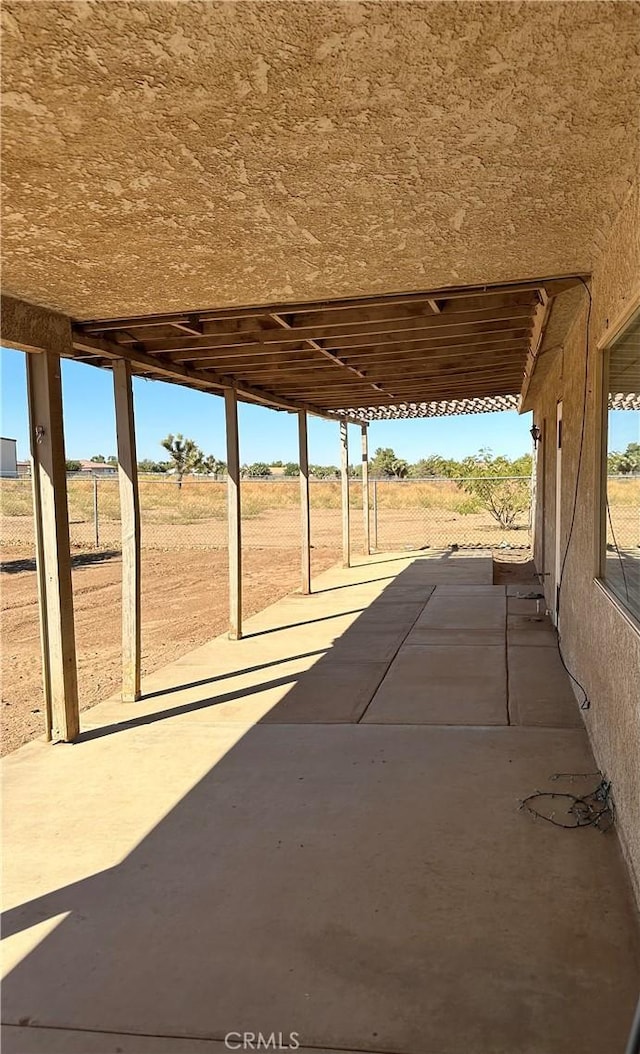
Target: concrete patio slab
[332, 692]
[421, 634]
[236, 852]
[469, 590]
[446, 685]
[372, 888]
[534, 630]
[520, 589]
[523, 606]
[539, 690]
[464, 612]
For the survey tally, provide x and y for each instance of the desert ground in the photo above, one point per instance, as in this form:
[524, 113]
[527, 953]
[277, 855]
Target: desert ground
[184, 604]
[184, 592]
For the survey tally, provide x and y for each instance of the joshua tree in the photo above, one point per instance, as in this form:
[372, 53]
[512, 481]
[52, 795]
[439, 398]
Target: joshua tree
[185, 455]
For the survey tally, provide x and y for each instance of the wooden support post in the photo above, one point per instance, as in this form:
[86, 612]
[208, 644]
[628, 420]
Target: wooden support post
[51, 513]
[305, 520]
[365, 490]
[344, 472]
[234, 515]
[130, 529]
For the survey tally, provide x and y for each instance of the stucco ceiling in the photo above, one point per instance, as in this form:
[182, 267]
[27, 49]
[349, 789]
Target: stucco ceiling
[161, 156]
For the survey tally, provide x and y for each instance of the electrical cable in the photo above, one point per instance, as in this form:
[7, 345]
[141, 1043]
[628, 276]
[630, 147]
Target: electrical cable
[594, 809]
[586, 703]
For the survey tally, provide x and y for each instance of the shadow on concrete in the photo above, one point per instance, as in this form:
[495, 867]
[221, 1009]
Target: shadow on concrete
[297, 625]
[225, 676]
[372, 888]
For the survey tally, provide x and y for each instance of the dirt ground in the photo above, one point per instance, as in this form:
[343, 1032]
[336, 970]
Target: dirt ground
[184, 604]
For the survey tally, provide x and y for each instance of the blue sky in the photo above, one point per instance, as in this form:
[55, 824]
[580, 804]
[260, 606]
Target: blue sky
[264, 434]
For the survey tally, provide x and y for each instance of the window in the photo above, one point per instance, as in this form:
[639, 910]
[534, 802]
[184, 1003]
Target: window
[620, 535]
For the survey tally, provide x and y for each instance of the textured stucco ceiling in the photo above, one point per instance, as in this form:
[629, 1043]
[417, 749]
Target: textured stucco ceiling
[162, 155]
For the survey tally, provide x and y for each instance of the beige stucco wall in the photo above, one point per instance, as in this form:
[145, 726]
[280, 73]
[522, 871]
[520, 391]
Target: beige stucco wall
[161, 155]
[600, 645]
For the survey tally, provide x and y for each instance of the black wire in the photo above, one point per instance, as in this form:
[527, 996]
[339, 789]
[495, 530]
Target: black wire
[582, 432]
[585, 704]
[595, 809]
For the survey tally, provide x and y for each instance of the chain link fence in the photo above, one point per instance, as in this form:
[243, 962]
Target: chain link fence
[192, 514]
[411, 513]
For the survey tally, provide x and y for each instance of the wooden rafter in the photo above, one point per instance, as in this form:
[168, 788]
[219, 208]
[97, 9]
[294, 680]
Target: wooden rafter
[331, 357]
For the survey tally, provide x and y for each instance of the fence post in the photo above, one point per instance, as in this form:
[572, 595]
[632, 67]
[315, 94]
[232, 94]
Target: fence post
[375, 515]
[365, 492]
[95, 513]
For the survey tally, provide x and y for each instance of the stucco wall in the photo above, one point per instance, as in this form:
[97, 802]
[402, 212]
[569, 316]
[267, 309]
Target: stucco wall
[600, 645]
[161, 155]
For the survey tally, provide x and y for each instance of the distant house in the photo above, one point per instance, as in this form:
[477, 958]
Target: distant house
[96, 468]
[8, 458]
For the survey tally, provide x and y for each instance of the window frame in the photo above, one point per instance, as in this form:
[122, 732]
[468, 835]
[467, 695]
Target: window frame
[627, 318]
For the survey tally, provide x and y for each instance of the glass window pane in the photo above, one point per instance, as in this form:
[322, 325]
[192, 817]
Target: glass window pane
[621, 563]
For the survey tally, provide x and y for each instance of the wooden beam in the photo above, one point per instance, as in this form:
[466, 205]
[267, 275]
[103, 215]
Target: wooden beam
[427, 334]
[344, 478]
[317, 383]
[196, 378]
[57, 626]
[263, 364]
[540, 319]
[365, 490]
[280, 337]
[318, 324]
[553, 283]
[305, 518]
[130, 530]
[234, 515]
[313, 344]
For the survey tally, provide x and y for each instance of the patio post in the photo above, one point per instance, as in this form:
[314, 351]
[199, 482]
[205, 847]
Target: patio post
[234, 515]
[53, 555]
[365, 491]
[130, 530]
[305, 521]
[344, 473]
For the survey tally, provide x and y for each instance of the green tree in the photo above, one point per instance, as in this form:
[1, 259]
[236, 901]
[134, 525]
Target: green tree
[500, 485]
[208, 465]
[153, 467]
[323, 471]
[625, 463]
[99, 459]
[434, 466]
[73, 466]
[185, 455]
[292, 468]
[259, 470]
[385, 463]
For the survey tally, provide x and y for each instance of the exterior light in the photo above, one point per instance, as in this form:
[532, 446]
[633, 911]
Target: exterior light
[536, 435]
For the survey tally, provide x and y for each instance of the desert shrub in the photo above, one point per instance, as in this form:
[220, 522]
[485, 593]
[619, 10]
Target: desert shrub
[501, 486]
